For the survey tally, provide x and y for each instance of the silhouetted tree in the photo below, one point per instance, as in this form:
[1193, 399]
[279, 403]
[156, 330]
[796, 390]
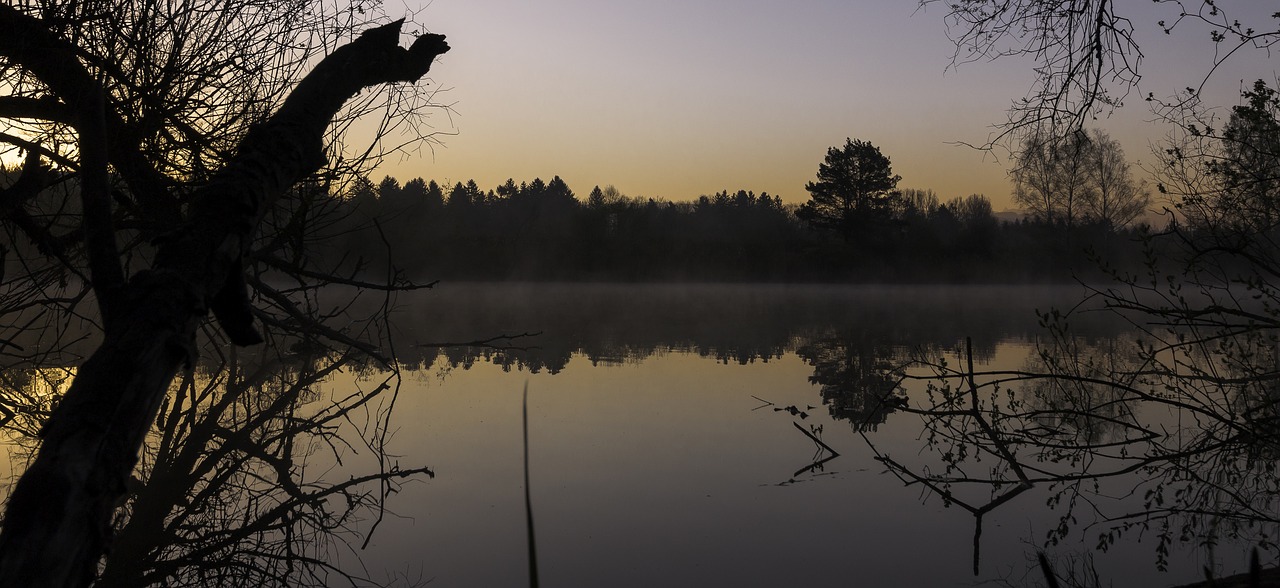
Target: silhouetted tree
[460, 198]
[362, 194]
[1204, 312]
[193, 138]
[1116, 199]
[733, 235]
[596, 198]
[1052, 176]
[916, 203]
[559, 194]
[1085, 54]
[1082, 177]
[1248, 168]
[973, 210]
[854, 190]
[1078, 178]
[434, 196]
[389, 189]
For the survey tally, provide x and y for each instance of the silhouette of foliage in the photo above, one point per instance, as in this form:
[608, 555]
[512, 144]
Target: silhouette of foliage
[854, 193]
[1087, 59]
[1188, 399]
[858, 377]
[238, 485]
[176, 163]
[541, 231]
[1082, 178]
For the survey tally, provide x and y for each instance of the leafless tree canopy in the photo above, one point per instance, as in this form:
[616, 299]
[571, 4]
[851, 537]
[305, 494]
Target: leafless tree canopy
[175, 154]
[1087, 61]
[1080, 178]
[1181, 413]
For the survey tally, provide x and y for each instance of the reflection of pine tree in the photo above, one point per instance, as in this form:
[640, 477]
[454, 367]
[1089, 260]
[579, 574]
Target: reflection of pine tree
[858, 379]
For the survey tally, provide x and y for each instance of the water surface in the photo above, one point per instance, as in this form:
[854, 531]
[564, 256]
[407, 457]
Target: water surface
[661, 453]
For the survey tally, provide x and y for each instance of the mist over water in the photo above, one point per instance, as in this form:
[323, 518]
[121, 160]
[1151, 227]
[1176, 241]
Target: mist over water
[730, 322]
[672, 433]
[664, 443]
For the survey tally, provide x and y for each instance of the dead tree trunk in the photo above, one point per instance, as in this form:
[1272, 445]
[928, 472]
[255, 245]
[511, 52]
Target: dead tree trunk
[57, 525]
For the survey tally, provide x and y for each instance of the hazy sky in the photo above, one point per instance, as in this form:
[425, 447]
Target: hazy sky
[677, 98]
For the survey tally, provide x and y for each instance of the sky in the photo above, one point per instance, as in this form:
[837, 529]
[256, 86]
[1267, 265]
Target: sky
[679, 98]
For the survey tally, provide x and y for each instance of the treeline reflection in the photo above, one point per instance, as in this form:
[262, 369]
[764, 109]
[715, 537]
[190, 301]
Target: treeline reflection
[233, 478]
[855, 338]
[615, 323]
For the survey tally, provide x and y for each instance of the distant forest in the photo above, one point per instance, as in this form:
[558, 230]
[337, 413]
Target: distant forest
[541, 230]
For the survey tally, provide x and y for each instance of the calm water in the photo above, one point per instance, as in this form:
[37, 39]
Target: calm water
[670, 441]
[657, 456]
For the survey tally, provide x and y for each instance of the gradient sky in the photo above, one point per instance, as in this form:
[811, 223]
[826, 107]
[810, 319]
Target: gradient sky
[678, 98]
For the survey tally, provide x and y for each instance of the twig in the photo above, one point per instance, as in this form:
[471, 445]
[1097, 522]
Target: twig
[492, 342]
[528, 502]
[1047, 569]
[834, 453]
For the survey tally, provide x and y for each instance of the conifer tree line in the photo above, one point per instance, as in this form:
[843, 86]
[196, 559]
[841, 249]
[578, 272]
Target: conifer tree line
[543, 230]
[1081, 203]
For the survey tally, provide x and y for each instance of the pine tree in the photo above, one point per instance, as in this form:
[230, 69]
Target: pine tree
[855, 190]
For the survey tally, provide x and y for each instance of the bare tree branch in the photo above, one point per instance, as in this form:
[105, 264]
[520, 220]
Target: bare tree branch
[57, 522]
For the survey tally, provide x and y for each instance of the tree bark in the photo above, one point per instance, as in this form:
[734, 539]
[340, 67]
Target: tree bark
[57, 525]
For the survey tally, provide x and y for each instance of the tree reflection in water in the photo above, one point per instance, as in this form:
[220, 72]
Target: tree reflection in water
[259, 471]
[241, 479]
[1128, 433]
[859, 377]
[1125, 444]
[1184, 436]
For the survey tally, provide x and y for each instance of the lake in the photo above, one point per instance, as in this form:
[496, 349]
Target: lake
[679, 435]
[665, 442]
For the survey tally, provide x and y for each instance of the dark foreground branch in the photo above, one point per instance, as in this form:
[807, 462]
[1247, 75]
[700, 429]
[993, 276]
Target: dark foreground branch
[57, 523]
